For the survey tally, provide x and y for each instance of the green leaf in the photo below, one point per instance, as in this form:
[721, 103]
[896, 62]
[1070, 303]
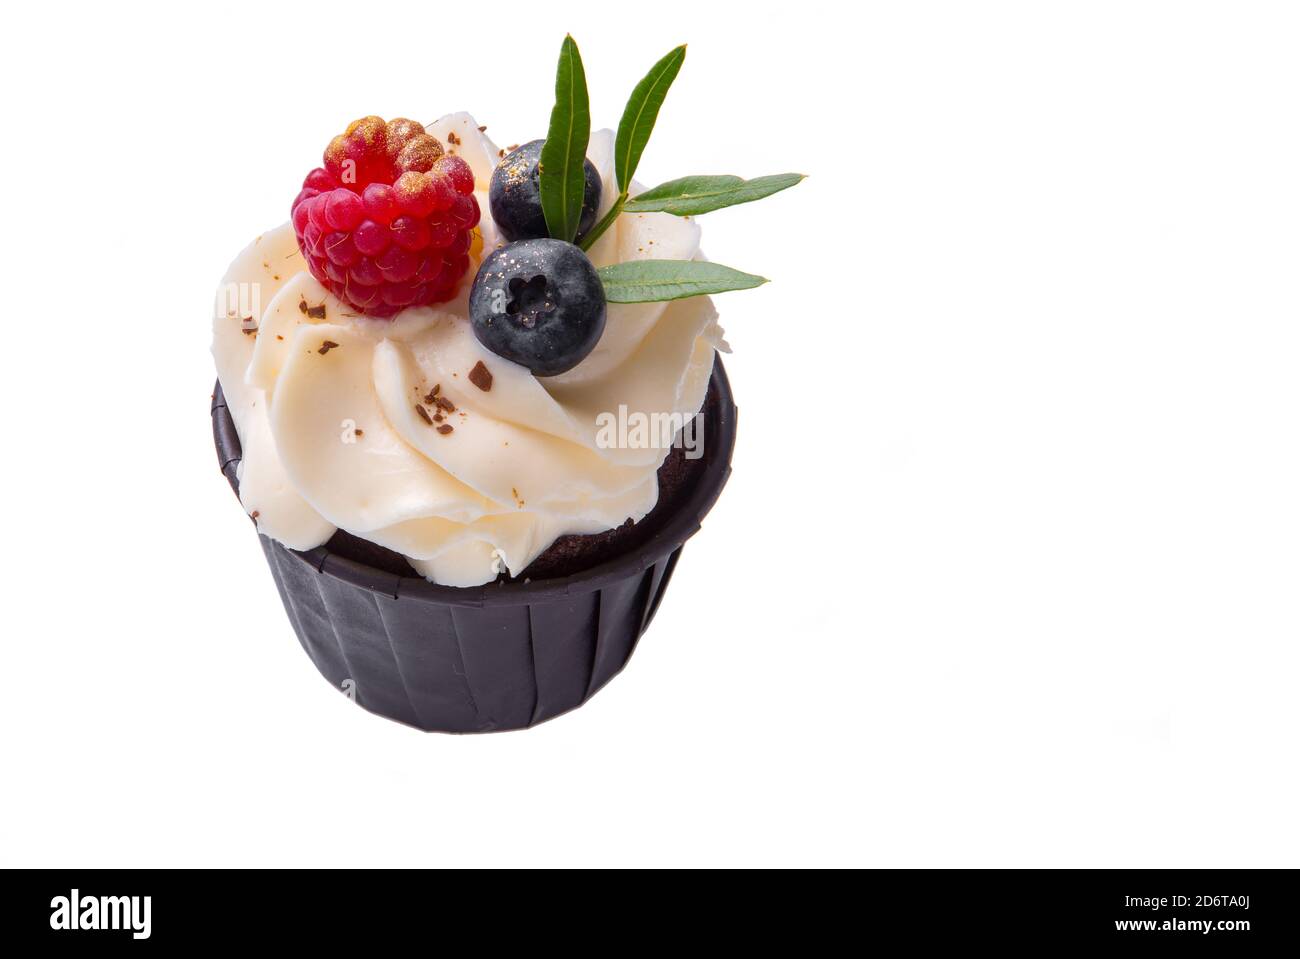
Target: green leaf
[560, 179]
[640, 114]
[692, 195]
[649, 281]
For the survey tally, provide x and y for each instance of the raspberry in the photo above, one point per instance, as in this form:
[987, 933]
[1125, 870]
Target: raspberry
[385, 223]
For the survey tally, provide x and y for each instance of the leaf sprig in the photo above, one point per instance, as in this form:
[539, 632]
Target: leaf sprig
[640, 115]
[693, 195]
[560, 169]
[561, 185]
[647, 281]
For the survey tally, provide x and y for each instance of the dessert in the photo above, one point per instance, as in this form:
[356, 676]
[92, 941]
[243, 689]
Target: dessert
[419, 376]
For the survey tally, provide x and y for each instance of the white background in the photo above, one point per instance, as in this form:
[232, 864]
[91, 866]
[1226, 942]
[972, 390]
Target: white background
[1008, 570]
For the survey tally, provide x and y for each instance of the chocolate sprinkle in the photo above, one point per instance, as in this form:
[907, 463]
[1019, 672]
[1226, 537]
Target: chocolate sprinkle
[481, 376]
[445, 428]
[326, 347]
[444, 404]
[316, 312]
[424, 414]
[302, 305]
[358, 432]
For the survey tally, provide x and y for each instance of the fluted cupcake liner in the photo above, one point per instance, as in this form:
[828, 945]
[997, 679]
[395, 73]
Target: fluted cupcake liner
[486, 658]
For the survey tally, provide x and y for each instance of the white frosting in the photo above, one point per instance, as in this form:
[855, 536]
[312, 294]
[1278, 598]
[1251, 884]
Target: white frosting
[333, 439]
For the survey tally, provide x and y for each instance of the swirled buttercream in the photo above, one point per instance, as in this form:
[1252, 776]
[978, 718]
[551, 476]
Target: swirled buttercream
[376, 426]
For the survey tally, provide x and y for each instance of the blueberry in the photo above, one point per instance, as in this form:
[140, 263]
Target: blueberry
[516, 201]
[538, 303]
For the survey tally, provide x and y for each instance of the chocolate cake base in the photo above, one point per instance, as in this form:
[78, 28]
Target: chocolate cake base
[508, 654]
[568, 554]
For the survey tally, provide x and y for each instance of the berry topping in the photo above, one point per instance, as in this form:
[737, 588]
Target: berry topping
[385, 223]
[515, 195]
[538, 303]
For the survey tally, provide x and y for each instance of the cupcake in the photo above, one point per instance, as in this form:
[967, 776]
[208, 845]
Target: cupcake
[471, 399]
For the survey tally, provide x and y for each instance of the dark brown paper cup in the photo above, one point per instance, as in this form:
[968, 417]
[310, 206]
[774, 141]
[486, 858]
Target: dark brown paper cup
[486, 658]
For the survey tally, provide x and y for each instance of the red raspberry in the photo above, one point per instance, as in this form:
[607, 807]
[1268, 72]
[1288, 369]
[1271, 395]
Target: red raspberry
[385, 223]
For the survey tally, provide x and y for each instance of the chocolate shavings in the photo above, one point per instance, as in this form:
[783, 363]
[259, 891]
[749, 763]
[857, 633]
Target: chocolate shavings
[481, 376]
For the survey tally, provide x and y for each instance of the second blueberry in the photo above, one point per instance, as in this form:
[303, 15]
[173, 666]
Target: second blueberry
[516, 200]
